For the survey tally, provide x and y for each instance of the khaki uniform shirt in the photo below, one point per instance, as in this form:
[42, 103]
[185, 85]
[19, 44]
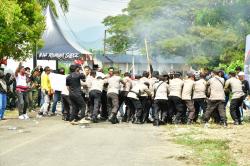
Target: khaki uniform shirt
[187, 89]
[217, 88]
[138, 89]
[97, 84]
[161, 90]
[128, 84]
[143, 80]
[114, 84]
[175, 87]
[200, 89]
[236, 87]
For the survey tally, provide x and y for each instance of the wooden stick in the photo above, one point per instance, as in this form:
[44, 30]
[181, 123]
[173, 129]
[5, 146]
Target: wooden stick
[148, 58]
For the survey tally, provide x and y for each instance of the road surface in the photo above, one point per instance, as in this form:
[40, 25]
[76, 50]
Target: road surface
[53, 142]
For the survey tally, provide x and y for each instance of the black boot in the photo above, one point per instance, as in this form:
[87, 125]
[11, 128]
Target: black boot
[124, 118]
[113, 119]
[137, 120]
[94, 120]
[236, 122]
[156, 123]
[189, 122]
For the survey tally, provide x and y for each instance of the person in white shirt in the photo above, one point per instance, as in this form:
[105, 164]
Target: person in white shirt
[95, 93]
[85, 89]
[145, 98]
[134, 95]
[123, 99]
[160, 104]
[22, 92]
[113, 96]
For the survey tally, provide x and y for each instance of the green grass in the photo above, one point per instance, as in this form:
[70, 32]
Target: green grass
[12, 113]
[207, 152]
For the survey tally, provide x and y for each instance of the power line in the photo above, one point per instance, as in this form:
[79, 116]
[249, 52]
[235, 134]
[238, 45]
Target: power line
[117, 1]
[70, 29]
[97, 10]
[90, 10]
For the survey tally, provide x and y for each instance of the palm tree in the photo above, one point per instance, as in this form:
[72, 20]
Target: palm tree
[64, 4]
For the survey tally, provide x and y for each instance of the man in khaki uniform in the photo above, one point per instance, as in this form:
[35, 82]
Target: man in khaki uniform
[136, 105]
[235, 85]
[187, 96]
[175, 101]
[199, 95]
[145, 98]
[113, 96]
[160, 104]
[95, 93]
[217, 98]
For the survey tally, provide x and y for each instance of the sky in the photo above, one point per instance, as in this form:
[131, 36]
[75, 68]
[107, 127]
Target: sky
[85, 18]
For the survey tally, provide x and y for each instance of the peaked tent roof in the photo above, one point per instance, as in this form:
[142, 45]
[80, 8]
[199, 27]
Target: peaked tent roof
[57, 46]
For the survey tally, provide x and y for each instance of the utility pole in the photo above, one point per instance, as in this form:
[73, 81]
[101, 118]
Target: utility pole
[35, 57]
[104, 42]
[133, 64]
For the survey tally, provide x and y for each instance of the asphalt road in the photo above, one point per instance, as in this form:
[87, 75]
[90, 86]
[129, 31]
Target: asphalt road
[52, 142]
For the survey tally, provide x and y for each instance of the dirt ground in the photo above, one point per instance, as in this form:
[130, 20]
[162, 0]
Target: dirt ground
[237, 136]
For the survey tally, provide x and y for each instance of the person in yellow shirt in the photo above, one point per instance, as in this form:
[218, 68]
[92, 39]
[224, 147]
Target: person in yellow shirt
[46, 92]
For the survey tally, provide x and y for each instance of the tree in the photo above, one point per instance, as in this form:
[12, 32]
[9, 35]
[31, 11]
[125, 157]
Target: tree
[206, 32]
[64, 4]
[21, 26]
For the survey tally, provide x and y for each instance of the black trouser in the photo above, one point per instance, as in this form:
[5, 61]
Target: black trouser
[214, 105]
[85, 109]
[87, 104]
[199, 104]
[146, 105]
[131, 109]
[104, 112]
[137, 106]
[235, 109]
[124, 99]
[176, 105]
[67, 106]
[95, 102]
[77, 104]
[160, 107]
[113, 103]
[39, 97]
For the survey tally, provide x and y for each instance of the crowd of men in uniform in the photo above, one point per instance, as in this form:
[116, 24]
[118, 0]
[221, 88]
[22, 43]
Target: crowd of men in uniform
[156, 98]
[148, 98]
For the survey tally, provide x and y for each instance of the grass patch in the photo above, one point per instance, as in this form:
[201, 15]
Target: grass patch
[12, 113]
[207, 152]
[246, 119]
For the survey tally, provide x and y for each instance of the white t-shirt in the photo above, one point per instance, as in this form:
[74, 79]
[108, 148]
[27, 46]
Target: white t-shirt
[21, 80]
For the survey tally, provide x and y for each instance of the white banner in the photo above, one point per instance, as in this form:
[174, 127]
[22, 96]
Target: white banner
[58, 81]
